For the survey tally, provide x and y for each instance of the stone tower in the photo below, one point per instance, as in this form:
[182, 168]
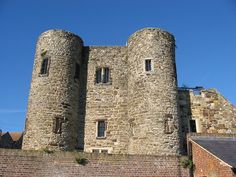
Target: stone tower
[54, 94]
[152, 91]
[104, 99]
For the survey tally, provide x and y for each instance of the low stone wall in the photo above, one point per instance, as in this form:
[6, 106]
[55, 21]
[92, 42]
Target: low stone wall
[15, 163]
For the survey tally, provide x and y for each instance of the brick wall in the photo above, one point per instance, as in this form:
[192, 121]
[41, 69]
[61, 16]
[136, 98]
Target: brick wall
[39, 163]
[208, 165]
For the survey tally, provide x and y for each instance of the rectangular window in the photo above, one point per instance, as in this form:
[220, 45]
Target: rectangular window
[105, 75]
[99, 75]
[44, 66]
[148, 65]
[57, 125]
[192, 125]
[77, 71]
[104, 151]
[96, 151]
[101, 129]
[102, 75]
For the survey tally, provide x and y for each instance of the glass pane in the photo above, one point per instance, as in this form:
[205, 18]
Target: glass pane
[101, 129]
[106, 75]
[44, 66]
[148, 66]
[98, 75]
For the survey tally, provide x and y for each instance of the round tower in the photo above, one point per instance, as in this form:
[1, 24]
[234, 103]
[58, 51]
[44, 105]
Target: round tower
[52, 114]
[152, 91]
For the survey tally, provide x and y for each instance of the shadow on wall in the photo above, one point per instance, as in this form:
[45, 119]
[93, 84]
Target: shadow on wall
[185, 115]
[83, 94]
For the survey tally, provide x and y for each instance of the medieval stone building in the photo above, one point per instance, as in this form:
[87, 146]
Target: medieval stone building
[119, 100]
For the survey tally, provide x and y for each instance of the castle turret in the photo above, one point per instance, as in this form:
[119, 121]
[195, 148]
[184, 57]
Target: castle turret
[152, 91]
[54, 95]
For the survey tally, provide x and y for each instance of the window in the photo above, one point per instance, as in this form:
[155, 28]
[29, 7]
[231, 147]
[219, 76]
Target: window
[99, 75]
[101, 129]
[57, 125]
[168, 124]
[77, 71]
[44, 66]
[96, 151]
[192, 126]
[104, 151]
[105, 75]
[102, 75]
[148, 65]
[197, 92]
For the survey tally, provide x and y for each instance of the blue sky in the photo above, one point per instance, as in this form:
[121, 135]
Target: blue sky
[205, 32]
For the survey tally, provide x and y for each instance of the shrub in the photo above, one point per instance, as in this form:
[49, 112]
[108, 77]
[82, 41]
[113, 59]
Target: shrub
[81, 160]
[186, 163]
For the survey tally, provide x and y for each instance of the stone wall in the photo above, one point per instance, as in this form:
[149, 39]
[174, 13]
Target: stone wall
[54, 94]
[107, 101]
[152, 94]
[211, 111]
[139, 107]
[16, 163]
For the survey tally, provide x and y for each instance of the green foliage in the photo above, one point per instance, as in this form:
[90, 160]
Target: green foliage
[186, 163]
[43, 53]
[81, 160]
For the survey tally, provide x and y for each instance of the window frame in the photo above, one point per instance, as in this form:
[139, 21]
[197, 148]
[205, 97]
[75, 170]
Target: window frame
[57, 125]
[192, 126]
[44, 68]
[104, 131]
[102, 75]
[148, 65]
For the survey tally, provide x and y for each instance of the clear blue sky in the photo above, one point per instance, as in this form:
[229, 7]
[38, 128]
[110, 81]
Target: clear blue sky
[205, 32]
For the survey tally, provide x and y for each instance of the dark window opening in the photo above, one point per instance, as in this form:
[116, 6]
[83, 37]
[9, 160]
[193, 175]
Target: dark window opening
[148, 65]
[104, 151]
[77, 71]
[102, 75]
[57, 125]
[105, 75]
[99, 75]
[96, 151]
[44, 66]
[101, 129]
[192, 125]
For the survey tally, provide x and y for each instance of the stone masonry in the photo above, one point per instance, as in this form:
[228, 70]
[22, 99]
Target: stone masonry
[208, 109]
[137, 104]
[131, 89]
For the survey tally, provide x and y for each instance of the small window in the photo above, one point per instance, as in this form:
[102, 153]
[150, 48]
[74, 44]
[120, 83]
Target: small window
[44, 66]
[192, 126]
[102, 75]
[96, 151]
[101, 129]
[104, 151]
[148, 65]
[57, 125]
[77, 71]
[197, 92]
[105, 75]
[99, 75]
